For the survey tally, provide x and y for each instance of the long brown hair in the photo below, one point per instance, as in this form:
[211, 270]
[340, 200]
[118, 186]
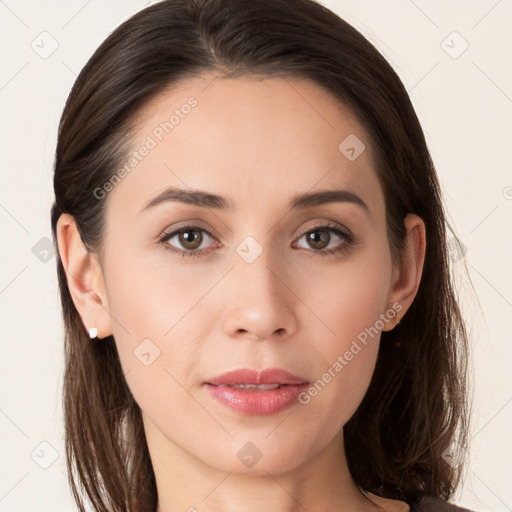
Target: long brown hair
[416, 407]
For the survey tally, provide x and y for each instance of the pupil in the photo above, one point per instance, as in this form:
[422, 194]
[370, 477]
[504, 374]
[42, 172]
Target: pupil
[191, 242]
[317, 240]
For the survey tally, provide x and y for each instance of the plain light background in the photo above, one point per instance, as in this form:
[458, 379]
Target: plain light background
[454, 59]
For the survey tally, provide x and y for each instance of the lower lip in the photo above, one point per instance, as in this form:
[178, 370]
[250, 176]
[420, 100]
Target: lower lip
[262, 402]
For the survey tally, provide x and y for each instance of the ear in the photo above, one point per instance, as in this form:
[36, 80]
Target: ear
[406, 278]
[84, 277]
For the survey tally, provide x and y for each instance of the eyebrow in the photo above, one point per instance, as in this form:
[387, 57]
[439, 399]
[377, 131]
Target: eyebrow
[206, 199]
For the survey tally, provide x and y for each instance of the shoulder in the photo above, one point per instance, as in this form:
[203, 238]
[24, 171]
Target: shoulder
[435, 504]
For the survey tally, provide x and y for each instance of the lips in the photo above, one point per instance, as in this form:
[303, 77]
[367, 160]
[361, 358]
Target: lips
[253, 392]
[246, 378]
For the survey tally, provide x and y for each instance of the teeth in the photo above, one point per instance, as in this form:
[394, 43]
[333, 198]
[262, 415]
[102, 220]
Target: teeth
[251, 386]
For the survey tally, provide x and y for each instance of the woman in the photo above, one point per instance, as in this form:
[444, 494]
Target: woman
[253, 271]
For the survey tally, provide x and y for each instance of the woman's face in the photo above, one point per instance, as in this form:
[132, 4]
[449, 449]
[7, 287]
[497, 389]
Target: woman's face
[267, 285]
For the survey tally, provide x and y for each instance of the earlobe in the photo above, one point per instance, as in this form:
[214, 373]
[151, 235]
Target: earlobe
[84, 278]
[406, 279]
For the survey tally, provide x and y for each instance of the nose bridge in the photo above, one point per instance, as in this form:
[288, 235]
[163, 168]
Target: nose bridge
[259, 299]
[257, 265]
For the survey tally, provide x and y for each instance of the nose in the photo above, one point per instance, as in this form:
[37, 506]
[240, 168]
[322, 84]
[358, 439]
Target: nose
[259, 299]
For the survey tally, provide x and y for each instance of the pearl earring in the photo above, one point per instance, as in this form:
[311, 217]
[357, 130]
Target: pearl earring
[93, 332]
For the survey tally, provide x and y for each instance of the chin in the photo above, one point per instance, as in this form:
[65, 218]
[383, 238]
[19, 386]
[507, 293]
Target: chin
[258, 458]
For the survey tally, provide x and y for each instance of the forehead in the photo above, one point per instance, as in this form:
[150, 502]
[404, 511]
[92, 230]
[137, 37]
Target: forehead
[247, 138]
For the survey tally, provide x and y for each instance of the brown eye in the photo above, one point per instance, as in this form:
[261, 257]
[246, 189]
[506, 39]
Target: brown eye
[318, 239]
[188, 241]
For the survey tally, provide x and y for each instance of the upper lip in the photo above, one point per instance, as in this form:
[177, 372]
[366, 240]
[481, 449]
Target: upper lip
[249, 376]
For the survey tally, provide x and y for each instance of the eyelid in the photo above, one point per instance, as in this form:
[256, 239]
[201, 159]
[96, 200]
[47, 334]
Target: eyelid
[330, 224]
[196, 223]
[192, 223]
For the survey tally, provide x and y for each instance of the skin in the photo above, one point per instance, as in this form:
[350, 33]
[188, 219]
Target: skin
[257, 142]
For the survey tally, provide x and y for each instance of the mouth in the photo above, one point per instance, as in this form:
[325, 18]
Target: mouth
[254, 392]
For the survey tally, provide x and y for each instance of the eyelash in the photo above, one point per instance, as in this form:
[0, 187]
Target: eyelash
[348, 240]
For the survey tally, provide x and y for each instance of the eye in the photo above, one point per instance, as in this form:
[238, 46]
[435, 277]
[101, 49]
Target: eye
[320, 237]
[189, 237]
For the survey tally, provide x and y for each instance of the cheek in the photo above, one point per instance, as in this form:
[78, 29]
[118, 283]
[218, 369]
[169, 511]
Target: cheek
[349, 305]
[151, 295]
[155, 308]
[348, 297]
[345, 367]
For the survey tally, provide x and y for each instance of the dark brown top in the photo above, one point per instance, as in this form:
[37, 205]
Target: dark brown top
[434, 504]
[423, 504]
